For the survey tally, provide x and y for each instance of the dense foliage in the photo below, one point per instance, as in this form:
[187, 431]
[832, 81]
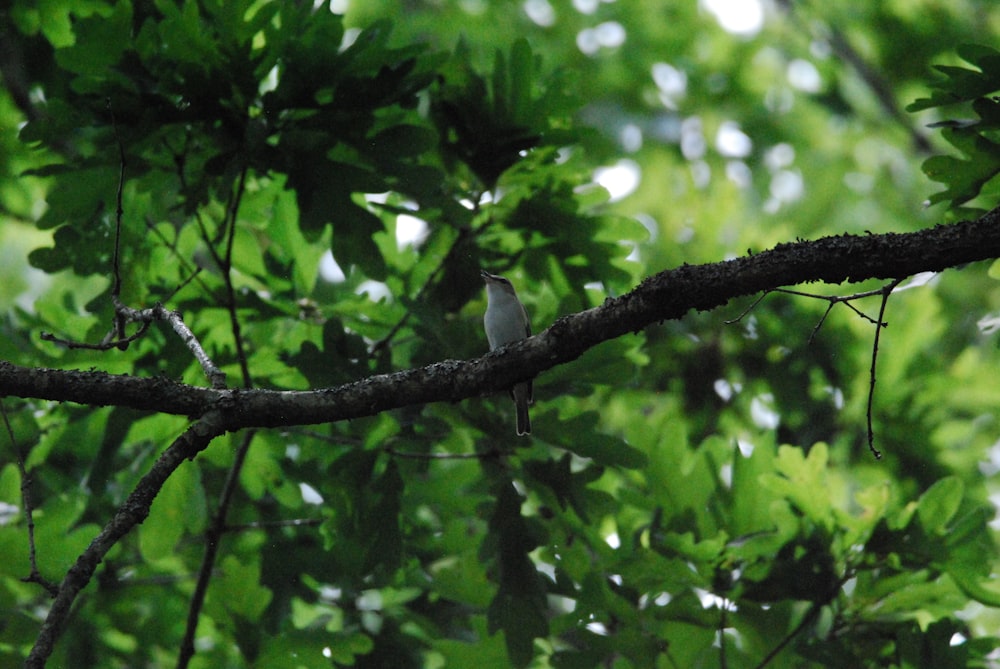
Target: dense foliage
[316, 193]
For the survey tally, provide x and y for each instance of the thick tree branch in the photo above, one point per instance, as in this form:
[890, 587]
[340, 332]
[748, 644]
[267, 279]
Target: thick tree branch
[668, 295]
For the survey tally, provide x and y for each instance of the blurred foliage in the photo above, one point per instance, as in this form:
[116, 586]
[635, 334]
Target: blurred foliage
[696, 495]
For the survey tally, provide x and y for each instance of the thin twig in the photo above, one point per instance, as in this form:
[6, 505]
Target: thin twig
[116, 285]
[269, 524]
[807, 620]
[815, 330]
[227, 275]
[106, 344]
[193, 276]
[445, 262]
[723, 663]
[146, 316]
[193, 273]
[214, 535]
[886, 291]
[832, 300]
[213, 538]
[753, 305]
[34, 576]
[342, 440]
[179, 163]
[125, 315]
[442, 456]
[338, 440]
[872, 77]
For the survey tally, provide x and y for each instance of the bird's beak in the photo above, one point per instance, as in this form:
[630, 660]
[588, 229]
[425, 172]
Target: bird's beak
[487, 277]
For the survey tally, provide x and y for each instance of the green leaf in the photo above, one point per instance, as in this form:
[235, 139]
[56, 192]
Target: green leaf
[581, 435]
[964, 178]
[462, 579]
[353, 243]
[344, 649]
[522, 621]
[238, 587]
[99, 41]
[802, 479]
[402, 140]
[569, 487]
[385, 540]
[262, 473]
[569, 659]
[300, 649]
[985, 592]
[522, 80]
[489, 126]
[483, 652]
[751, 505]
[938, 505]
[62, 536]
[964, 84]
[179, 509]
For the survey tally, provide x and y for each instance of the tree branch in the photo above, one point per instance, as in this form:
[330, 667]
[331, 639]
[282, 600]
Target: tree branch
[213, 539]
[665, 296]
[132, 512]
[34, 576]
[668, 295]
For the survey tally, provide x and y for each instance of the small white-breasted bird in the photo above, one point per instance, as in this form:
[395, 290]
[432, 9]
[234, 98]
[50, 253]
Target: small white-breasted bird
[506, 320]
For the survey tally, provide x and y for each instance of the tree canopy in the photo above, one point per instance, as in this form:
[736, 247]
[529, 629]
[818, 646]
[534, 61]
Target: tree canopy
[248, 415]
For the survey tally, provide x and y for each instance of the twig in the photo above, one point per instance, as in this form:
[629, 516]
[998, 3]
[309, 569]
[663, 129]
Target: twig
[445, 262]
[389, 450]
[268, 524]
[227, 275]
[442, 456]
[753, 305]
[873, 77]
[831, 299]
[807, 620]
[880, 323]
[338, 440]
[34, 576]
[106, 344]
[213, 538]
[146, 316]
[878, 84]
[116, 285]
[834, 300]
[193, 273]
[723, 663]
[214, 535]
[124, 314]
[886, 291]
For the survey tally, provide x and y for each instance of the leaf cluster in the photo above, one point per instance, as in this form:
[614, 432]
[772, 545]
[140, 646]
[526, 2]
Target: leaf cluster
[977, 137]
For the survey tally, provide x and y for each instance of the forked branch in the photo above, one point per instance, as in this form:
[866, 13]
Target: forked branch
[832, 301]
[117, 337]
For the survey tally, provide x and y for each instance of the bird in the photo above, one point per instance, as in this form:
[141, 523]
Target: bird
[506, 321]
